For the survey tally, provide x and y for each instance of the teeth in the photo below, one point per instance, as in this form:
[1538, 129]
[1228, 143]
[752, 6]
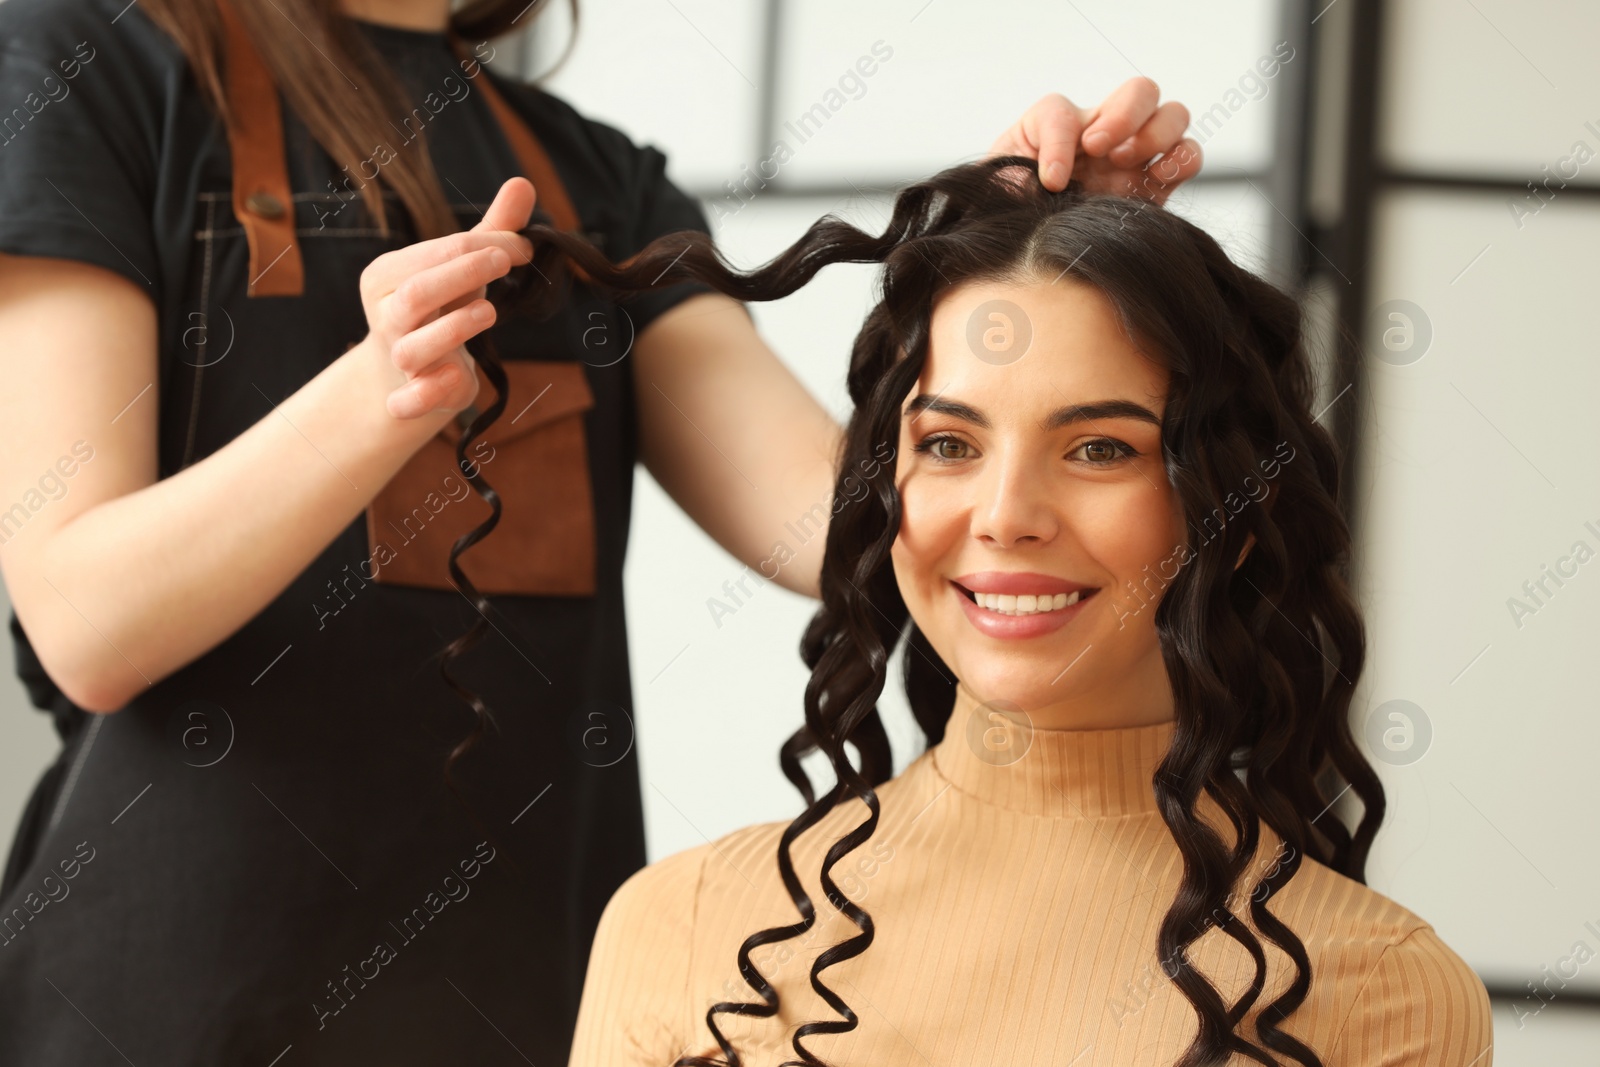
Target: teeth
[1025, 605]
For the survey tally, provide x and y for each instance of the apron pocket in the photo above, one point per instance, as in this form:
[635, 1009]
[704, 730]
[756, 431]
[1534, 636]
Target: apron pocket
[535, 456]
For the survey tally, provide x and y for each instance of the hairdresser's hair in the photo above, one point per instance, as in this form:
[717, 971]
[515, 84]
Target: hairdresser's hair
[311, 47]
[1262, 659]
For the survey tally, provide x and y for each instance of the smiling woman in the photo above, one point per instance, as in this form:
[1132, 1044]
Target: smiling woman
[1042, 477]
[1105, 792]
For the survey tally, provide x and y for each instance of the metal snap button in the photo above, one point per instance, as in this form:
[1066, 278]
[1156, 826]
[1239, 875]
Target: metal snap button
[264, 204]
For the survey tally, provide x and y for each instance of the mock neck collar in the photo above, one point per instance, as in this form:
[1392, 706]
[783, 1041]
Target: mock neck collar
[403, 34]
[999, 759]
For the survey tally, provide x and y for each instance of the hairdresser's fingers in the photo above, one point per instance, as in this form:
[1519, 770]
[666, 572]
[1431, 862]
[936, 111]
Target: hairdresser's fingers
[511, 209]
[449, 385]
[1120, 115]
[418, 351]
[1048, 132]
[1152, 181]
[1176, 167]
[386, 273]
[428, 293]
[1160, 134]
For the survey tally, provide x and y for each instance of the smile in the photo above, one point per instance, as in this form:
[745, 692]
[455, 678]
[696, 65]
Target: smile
[1024, 604]
[1011, 616]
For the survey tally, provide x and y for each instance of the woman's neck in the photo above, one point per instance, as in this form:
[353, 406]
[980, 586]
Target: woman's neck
[406, 14]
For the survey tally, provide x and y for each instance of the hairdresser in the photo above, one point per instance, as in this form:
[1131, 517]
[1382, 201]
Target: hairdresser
[299, 818]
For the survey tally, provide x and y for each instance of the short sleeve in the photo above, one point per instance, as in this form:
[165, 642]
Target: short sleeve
[79, 136]
[636, 993]
[657, 207]
[1421, 1006]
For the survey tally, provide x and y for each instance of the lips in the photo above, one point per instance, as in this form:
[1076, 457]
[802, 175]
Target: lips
[1018, 583]
[1012, 604]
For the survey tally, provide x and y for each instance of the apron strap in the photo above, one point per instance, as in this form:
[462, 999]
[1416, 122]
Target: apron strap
[262, 200]
[535, 162]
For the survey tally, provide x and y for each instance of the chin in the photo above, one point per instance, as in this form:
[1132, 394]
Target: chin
[1005, 693]
[1029, 680]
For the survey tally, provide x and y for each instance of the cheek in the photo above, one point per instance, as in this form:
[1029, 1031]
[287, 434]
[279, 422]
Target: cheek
[930, 530]
[1138, 524]
[913, 544]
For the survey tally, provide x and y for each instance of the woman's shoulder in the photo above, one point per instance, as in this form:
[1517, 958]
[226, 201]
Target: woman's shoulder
[674, 877]
[124, 69]
[738, 871]
[634, 1007]
[679, 880]
[666, 890]
[1342, 910]
[84, 29]
[1399, 982]
[1420, 1002]
[90, 87]
[60, 15]
[557, 116]
[600, 156]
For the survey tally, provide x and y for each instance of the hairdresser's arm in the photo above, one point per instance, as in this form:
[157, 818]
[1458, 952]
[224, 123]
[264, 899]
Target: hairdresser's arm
[1130, 143]
[735, 438]
[120, 578]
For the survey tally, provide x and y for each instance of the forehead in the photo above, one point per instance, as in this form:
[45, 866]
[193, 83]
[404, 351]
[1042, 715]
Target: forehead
[1027, 347]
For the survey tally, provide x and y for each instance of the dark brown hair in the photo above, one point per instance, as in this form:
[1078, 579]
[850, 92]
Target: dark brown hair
[1262, 659]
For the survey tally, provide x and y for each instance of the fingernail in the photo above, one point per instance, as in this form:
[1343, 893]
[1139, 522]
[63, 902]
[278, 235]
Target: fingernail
[498, 259]
[482, 312]
[1054, 175]
[1124, 150]
[1096, 141]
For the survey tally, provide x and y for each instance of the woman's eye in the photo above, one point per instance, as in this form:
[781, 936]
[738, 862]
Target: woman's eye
[943, 447]
[1100, 452]
[1104, 451]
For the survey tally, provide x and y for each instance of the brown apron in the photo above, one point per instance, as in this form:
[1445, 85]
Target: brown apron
[535, 455]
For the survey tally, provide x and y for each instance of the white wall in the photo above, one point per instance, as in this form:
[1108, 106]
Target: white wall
[1479, 473]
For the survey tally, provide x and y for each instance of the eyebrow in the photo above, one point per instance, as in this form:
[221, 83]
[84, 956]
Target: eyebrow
[1062, 416]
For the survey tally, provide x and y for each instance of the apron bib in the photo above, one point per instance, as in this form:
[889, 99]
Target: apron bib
[544, 542]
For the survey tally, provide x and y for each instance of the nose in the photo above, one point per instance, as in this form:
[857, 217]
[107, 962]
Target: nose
[1013, 504]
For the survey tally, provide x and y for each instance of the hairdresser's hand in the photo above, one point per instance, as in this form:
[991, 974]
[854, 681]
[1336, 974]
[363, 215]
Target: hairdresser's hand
[1110, 148]
[424, 301]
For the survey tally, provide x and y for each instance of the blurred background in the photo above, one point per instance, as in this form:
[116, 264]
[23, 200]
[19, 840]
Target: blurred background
[1423, 174]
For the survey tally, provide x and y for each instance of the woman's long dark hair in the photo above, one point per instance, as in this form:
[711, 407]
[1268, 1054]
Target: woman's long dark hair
[1262, 658]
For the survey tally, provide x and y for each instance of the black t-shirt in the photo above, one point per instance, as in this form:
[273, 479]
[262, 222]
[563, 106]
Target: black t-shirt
[258, 857]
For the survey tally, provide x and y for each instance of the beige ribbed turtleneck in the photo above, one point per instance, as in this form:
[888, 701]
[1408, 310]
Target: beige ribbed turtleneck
[1017, 881]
